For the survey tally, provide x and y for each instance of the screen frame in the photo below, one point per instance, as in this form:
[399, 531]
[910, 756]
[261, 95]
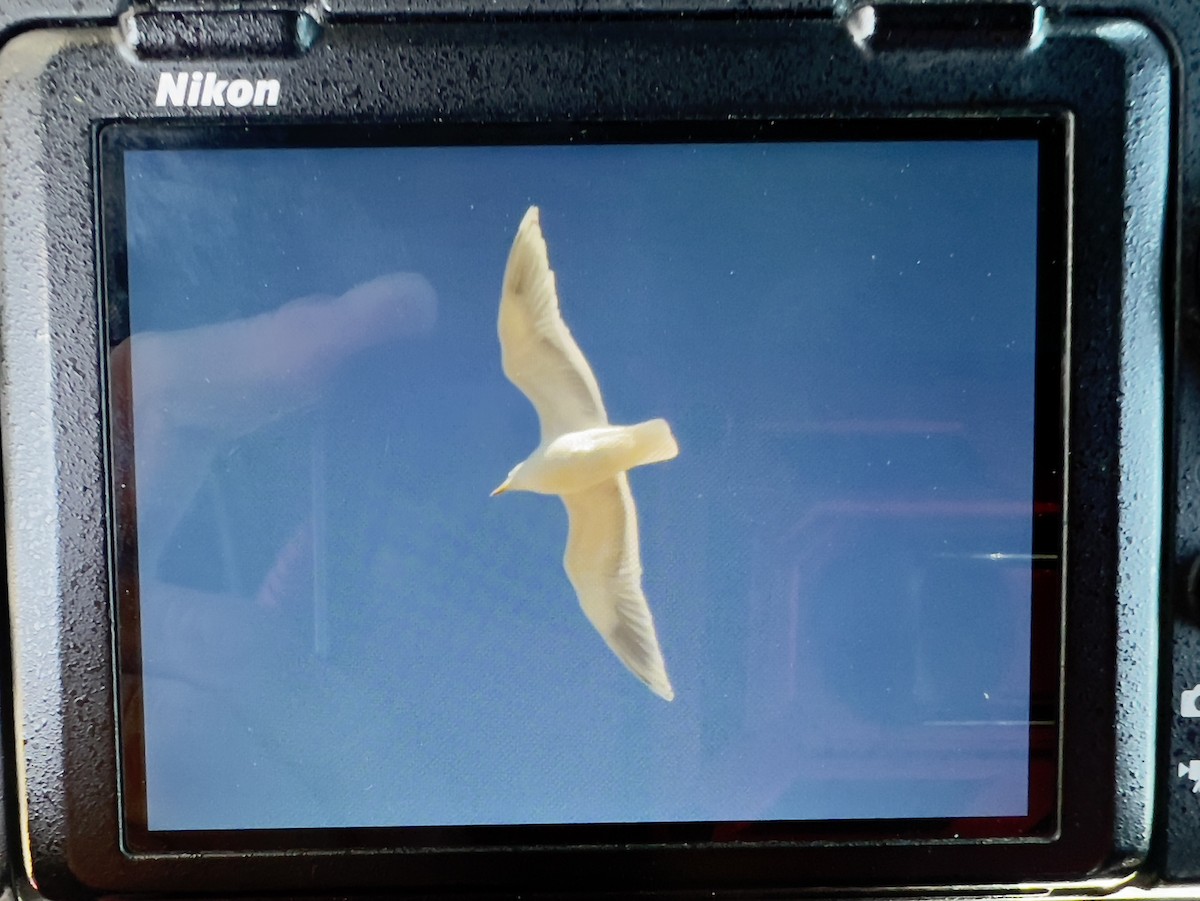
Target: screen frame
[1040, 823]
[1109, 79]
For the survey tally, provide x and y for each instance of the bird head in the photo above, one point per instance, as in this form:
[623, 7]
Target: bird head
[510, 483]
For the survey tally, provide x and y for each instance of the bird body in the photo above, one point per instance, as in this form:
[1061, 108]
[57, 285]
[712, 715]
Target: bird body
[576, 461]
[581, 457]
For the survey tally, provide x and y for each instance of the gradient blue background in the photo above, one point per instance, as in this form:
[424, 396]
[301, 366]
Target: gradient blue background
[340, 627]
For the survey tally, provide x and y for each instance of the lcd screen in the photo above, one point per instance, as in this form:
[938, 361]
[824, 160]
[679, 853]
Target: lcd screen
[848, 521]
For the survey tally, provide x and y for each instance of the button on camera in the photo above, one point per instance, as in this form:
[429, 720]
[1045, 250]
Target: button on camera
[1191, 770]
[1189, 702]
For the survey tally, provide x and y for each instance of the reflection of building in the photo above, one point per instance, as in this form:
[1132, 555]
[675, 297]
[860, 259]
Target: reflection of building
[888, 644]
[909, 658]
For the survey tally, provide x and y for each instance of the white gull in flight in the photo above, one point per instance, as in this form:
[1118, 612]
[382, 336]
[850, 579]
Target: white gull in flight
[581, 457]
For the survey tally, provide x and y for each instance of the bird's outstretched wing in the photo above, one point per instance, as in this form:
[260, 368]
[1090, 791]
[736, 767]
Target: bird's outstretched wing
[605, 567]
[537, 351]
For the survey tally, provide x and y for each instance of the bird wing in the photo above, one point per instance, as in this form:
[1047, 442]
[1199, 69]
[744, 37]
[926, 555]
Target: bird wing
[537, 351]
[605, 567]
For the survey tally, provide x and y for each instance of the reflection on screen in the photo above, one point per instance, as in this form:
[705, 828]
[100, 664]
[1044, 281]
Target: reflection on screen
[340, 627]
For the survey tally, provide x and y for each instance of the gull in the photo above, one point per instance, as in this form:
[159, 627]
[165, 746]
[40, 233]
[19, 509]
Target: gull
[581, 457]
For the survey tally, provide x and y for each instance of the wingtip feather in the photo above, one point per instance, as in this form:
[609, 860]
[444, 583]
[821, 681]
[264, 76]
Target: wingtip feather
[666, 692]
[528, 259]
[636, 645]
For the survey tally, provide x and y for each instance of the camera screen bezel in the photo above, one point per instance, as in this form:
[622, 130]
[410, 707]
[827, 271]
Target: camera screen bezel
[1105, 81]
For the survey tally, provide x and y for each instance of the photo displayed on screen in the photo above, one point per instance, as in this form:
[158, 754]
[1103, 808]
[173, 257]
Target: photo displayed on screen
[609, 483]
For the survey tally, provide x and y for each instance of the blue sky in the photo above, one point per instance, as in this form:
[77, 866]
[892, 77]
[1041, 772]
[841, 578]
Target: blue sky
[341, 627]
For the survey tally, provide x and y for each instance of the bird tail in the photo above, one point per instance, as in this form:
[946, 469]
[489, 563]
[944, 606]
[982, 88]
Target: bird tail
[654, 442]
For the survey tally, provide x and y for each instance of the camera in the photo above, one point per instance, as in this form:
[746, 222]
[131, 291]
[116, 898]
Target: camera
[854, 339]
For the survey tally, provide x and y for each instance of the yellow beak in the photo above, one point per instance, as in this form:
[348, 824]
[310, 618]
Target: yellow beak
[503, 488]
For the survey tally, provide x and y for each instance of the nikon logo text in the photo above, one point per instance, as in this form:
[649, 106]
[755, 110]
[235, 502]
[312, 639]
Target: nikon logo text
[206, 89]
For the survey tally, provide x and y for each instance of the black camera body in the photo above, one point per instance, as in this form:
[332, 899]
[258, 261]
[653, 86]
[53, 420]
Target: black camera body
[265, 641]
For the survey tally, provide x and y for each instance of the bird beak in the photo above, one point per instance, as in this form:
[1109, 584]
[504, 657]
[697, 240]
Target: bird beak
[503, 488]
